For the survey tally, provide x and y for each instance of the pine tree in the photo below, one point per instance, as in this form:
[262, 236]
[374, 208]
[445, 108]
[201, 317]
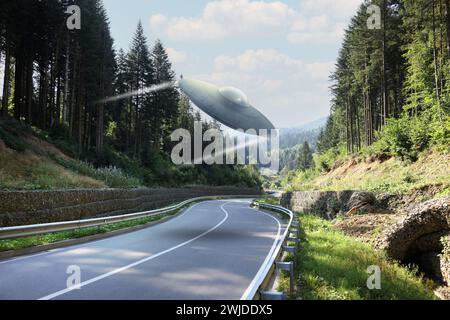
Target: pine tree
[305, 157]
[165, 102]
[141, 77]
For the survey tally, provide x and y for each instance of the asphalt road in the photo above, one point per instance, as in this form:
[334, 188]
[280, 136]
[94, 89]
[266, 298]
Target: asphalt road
[213, 250]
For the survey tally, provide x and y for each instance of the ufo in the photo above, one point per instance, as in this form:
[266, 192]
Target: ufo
[227, 105]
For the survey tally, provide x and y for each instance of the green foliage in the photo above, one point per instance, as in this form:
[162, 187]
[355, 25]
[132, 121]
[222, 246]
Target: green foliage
[113, 177]
[391, 87]
[395, 140]
[408, 136]
[305, 157]
[122, 143]
[324, 161]
[12, 141]
[332, 266]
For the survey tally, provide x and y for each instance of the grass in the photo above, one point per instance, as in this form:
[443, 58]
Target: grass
[28, 171]
[29, 162]
[113, 177]
[38, 240]
[332, 266]
[393, 175]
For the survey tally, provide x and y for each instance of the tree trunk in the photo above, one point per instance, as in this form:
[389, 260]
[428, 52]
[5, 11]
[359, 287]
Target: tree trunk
[18, 87]
[66, 82]
[383, 71]
[435, 62]
[447, 24]
[29, 90]
[6, 81]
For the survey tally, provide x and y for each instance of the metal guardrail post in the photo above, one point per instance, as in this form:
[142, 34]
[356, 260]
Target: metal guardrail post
[295, 231]
[295, 240]
[290, 249]
[288, 266]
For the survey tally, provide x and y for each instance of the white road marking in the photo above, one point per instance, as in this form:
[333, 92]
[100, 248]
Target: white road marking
[91, 242]
[134, 264]
[269, 255]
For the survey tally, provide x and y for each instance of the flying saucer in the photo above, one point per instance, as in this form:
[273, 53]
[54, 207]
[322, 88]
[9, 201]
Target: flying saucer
[227, 105]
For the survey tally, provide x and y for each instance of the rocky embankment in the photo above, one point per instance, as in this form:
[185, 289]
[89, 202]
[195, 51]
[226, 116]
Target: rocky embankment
[330, 204]
[410, 231]
[32, 207]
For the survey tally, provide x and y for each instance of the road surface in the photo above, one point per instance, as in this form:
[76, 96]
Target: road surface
[213, 250]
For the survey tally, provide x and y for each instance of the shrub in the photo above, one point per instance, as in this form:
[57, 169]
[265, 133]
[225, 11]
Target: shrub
[11, 138]
[394, 140]
[112, 176]
[325, 161]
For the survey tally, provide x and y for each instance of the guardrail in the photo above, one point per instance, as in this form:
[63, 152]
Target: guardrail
[35, 229]
[261, 282]
[273, 263]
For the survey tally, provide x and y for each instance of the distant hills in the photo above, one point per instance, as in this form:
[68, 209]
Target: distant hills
[291, 137]
[291, 140]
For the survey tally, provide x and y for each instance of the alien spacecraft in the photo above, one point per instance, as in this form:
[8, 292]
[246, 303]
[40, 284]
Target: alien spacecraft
[227, 105]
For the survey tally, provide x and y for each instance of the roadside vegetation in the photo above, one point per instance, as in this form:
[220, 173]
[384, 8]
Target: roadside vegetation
[377, 174]
[32, 159]
[332, 266]
[389, 124]
[51, 96]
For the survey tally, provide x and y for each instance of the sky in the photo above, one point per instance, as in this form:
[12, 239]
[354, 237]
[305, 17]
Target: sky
[280, 53]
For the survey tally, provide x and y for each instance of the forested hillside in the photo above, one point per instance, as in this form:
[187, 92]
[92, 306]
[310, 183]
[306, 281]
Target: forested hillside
[391, 99]
[56, 81]
[391, 87]
[296, 143]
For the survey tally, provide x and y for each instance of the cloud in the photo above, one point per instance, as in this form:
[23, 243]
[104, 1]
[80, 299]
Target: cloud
[176, 56]
[318, 29]
[224, 18]
[342, 9]
[288, 90]
[315, 21]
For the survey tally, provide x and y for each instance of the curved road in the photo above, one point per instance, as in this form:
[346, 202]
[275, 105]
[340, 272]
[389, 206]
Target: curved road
[213, 250]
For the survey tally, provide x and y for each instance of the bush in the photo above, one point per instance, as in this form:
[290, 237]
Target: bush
[11, 137]
[325, 161]
[394, 140]
[408, 136]
[112, 176]
[115, 178]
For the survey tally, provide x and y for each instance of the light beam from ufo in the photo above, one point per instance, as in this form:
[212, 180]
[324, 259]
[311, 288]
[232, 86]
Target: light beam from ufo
[146, 90]
[228, 105]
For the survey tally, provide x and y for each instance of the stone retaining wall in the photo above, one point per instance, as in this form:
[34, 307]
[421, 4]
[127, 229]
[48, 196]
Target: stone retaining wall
[323, 203]
[31, 207]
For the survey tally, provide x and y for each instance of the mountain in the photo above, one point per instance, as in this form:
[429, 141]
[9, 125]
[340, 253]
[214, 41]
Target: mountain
[292, 137]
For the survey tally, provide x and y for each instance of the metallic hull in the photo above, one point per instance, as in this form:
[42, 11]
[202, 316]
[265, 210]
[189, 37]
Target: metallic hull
[209, 99]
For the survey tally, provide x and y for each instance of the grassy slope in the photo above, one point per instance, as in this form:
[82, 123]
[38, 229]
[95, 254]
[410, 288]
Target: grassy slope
[30, 170]
[29, 161]
[432, 170]
[332, 266]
